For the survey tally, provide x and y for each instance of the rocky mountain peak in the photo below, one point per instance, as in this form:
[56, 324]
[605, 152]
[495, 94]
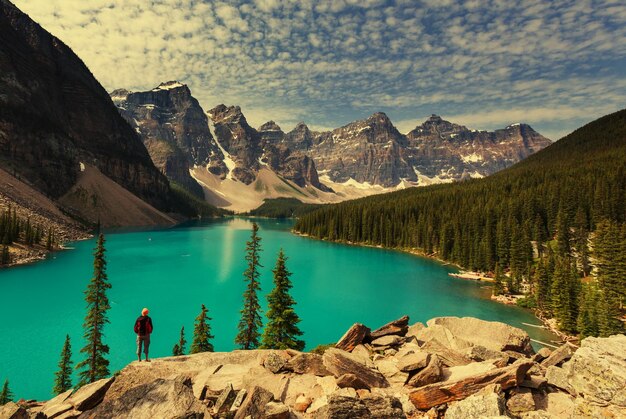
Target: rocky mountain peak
[227, 114]
[269, 126]
[169, 85]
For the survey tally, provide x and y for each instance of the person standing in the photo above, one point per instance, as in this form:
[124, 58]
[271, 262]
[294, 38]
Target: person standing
[143, 329]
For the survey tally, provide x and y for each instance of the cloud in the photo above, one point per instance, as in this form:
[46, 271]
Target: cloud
[487, 63]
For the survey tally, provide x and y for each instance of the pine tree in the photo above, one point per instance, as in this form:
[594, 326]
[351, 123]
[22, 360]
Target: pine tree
[63, 377]
[179, 348]
[250, 323]
[201, 334]
[96, 366]
[498, 285]
[5, 395]
[281, 331]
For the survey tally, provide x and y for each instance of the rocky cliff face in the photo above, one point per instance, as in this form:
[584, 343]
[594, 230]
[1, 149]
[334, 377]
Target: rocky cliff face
[446, 151]
[451, 367]
[174, 129]
[55, 115]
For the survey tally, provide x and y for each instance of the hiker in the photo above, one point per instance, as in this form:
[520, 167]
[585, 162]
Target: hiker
[143, 328]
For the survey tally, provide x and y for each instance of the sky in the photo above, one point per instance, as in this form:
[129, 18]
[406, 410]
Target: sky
[484, 64]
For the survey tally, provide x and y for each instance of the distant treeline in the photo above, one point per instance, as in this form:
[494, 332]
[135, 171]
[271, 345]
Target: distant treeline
[283, 208]
[553, 201]
[14, 229]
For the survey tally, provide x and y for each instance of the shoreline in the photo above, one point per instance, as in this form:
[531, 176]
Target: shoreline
[548, 324]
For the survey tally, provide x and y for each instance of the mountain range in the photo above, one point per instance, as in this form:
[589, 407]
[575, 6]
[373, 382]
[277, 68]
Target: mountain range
[238, 166]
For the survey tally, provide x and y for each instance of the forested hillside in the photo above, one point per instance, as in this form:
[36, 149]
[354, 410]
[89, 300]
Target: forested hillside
[554, 218]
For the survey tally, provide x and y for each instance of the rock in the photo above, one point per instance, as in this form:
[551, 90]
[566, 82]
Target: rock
[383, 407]
[307, 363]
[364, 354]
[389, 368]
[390, 340]
[227, 374]
[542, 354]
[492, 335]
[397, 327]
[276, 410]
[448, 357]
[160, 398]
[341, 407]
[597, 370]
[554, 405]
[435, 394]
[464, 371]
[224, 401]
[90, 395]
[352, 381]
[11, 410]
[563, 353]
[413, 329]
[414, 361]
[302, 403]
[274, 362]
[520, 401]
[535, 382]
[58, 405]
[480, 353]
[340, 362]
[558, 378]
[199, 382]
[254, 404]
[488, 402]
[71, 414]
[431, 374]
[353, 337]
[441, 337]
[241, 396]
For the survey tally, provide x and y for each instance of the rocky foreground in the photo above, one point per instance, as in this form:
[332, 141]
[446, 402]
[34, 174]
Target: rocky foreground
[453, 368]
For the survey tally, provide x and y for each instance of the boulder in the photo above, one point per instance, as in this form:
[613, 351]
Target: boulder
[448, 357]
[469, 370]
[561, 354]
[520, 401]
[389, 340]
[307, 363]
[57, 405]
[71, 414]
[90, 395]
[535, 382]
[276, 410]
[553, 405]
[413, 329]
[492, 335]
[435, 394]
[397, 327]
[352, 381]
[488, 402]
[364, 354]
[389, 368]
[414, 361]
[239, 398]
[254, 404]
[11, 410]
[558, 378]
[160, 398]
[342, 407]
[597, 370]
[383, 407]
[353, 337]
[275, 362]
[480, 353]
[442, 336]
[340, 362]
[431, 374]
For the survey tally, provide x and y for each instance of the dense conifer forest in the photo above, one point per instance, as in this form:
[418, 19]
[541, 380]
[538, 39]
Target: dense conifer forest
[552, 226]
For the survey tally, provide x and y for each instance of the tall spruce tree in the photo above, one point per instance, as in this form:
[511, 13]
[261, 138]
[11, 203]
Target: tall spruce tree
[498, 281]
[179, 348]
[250, 323]
[201, 333]
[6, 395]
[63, 377]
[281, 331]
[95, 366]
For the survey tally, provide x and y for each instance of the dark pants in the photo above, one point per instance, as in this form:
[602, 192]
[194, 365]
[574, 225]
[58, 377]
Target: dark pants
[145, 340]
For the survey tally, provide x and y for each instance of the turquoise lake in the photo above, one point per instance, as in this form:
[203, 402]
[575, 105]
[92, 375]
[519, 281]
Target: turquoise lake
[174, 271]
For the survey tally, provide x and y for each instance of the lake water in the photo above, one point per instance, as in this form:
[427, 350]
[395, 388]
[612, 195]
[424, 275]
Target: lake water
[174, 271]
